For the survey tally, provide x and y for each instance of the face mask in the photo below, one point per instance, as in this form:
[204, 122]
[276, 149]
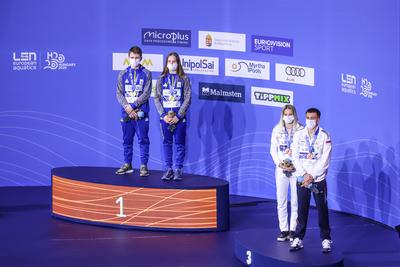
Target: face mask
[172, 66]
[311, 123]
[134, 62]
[288, 118]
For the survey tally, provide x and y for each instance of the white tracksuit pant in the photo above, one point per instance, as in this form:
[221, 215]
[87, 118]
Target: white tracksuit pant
[282, 184]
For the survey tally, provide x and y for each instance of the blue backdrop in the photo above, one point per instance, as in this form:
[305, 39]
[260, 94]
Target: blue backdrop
[58, 105]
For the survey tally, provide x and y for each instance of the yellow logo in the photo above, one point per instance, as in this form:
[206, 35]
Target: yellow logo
[147, 62]
[208, 40]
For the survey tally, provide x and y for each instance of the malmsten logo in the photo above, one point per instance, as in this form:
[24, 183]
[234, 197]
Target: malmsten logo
[222, 92]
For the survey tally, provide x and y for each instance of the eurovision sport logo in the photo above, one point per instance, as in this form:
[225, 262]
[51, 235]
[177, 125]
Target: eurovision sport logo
[294, 74]
[271, 97]
[272, 45]
[152, 62]
[222, 92]
[247, 69]
[222, 41]
[166, 37]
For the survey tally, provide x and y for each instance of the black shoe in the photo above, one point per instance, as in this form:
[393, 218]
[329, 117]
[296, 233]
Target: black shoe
[168, 175]
[291, 236]
[178, 175]
[284, 236]
[126, 168]
[144, 171]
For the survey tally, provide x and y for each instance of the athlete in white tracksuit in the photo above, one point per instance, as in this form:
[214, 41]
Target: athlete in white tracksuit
[280, 149]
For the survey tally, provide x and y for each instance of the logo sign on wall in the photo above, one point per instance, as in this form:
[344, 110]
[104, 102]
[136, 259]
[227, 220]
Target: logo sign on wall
[200, 65]
[25, 61]
[366, 89]
[56, 61]
[165, 37]
[152, 62]
[349, 83]
[272, 45]
[271, 97]
[247, 69]
[222, 92]
[294, 74]
[222, 41]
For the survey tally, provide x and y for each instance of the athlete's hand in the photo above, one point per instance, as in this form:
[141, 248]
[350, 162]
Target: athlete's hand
[167, 119]
[128, 109]
[307, 179]
[133, 115]
[174, 120]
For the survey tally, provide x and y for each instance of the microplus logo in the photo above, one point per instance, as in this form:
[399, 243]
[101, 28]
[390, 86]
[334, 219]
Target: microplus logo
[165, 37]
[271, 97]
[222, 92]
[200, 65]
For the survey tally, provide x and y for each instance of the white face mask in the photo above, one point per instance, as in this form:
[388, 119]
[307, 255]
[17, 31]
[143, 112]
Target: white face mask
[311, 123]
[172, 66]
[288, 118]
[134, 62]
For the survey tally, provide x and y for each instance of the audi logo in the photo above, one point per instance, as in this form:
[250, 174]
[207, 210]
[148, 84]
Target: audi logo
[295, 71]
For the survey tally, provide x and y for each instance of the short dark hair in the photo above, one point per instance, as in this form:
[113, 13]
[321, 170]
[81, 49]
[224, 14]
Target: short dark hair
[314, 110]
[135, 50]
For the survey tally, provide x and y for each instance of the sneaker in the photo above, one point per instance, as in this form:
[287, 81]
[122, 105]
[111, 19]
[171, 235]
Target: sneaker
[283, 236]
[326, 246]
[178, 175]
[291, 236]
[144, 171]
[126, 168]
[297, 244]
[168, 175]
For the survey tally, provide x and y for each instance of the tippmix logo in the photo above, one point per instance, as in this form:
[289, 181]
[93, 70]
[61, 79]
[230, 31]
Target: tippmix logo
[247, 69]
[271, 97]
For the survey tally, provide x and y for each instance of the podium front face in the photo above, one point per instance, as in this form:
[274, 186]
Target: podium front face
[155, 207]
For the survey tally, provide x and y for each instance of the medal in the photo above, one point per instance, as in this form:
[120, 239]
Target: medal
[311, 144]
[309, 156]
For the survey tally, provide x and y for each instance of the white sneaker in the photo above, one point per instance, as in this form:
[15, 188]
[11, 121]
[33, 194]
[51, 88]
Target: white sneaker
[326, 245]
[297, 244]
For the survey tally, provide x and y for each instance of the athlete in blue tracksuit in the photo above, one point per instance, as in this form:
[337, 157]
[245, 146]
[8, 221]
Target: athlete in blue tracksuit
[172, 99]
[133, 92]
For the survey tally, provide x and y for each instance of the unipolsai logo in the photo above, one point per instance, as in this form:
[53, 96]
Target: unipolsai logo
[349, 83]
[200, 65]
[366, 89]
[25, 61]
[56, 61]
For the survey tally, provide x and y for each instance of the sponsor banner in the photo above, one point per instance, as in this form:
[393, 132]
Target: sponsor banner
[222, 41]
[166, 37]
[222, 92]
[25, 61]
[349, 84]
[366, 89]
[247, 69]
[200, 65]
[152, 62]
[294, 74]
[271, 97]
[56, 61]
[272, 45]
